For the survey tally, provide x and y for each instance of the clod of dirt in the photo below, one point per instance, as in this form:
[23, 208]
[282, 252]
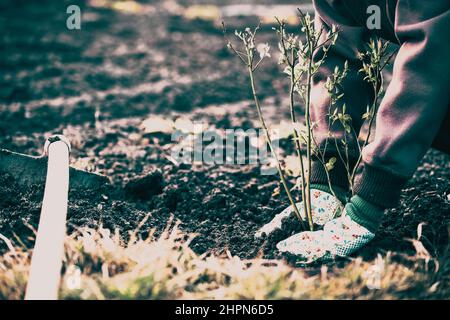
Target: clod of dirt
[215, 199]
[146, 186]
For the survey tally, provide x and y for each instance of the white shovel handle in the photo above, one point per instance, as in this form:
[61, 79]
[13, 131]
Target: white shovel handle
[45, 272]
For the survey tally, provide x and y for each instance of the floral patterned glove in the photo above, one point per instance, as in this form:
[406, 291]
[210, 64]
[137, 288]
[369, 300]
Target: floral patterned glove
[339, 237]
[324, 207]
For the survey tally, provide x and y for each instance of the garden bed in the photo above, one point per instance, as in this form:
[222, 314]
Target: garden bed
[100, 84]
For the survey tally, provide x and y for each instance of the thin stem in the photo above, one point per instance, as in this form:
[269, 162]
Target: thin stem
[236, 52]
[356, 137]
[323, 154]
[322, 162]
[308, 129]
[257, 64]
[339, 152]
[388, 60]
[296, 137]
[366, 140]
[347, 161]
[269, 142]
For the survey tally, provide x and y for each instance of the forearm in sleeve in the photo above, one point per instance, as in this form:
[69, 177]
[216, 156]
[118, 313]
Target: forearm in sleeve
[415, 102]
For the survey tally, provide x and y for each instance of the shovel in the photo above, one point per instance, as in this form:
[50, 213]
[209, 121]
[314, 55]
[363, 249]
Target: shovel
[45, 270]
[30, 170]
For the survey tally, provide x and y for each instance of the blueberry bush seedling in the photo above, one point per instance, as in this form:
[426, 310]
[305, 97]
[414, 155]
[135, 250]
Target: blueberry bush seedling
[374, 61]
[249, 56]
[297, 56]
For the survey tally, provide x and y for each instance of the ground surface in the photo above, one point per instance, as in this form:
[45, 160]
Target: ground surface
[99, 84]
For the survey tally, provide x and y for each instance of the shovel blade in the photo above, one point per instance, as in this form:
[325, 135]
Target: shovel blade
[30, 170]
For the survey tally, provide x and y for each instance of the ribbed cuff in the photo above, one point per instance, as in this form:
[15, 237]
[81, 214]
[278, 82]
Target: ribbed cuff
[338, 175]
[364, 213]
[341, 194]
[379, 187]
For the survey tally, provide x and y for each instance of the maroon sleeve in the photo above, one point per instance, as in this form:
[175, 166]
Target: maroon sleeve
[416, 100]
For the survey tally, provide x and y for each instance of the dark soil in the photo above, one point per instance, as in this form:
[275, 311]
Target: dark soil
[98, 84]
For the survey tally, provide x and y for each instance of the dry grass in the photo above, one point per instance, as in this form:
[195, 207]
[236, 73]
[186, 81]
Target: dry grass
[100, 265]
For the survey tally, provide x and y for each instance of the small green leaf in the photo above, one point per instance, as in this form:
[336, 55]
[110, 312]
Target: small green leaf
[330, 164]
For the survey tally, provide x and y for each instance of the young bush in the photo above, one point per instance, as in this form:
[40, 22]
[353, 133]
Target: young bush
[374, 61]
[297, 57]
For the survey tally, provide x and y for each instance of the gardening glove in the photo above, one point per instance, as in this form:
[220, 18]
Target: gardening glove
[324, 207]
[340, 237]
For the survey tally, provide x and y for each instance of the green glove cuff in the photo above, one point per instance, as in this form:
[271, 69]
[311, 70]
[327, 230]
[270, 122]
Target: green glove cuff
[364, 213]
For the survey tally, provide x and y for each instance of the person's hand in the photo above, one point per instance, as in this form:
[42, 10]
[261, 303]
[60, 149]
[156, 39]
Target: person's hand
[340, 237]
[324, 207]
